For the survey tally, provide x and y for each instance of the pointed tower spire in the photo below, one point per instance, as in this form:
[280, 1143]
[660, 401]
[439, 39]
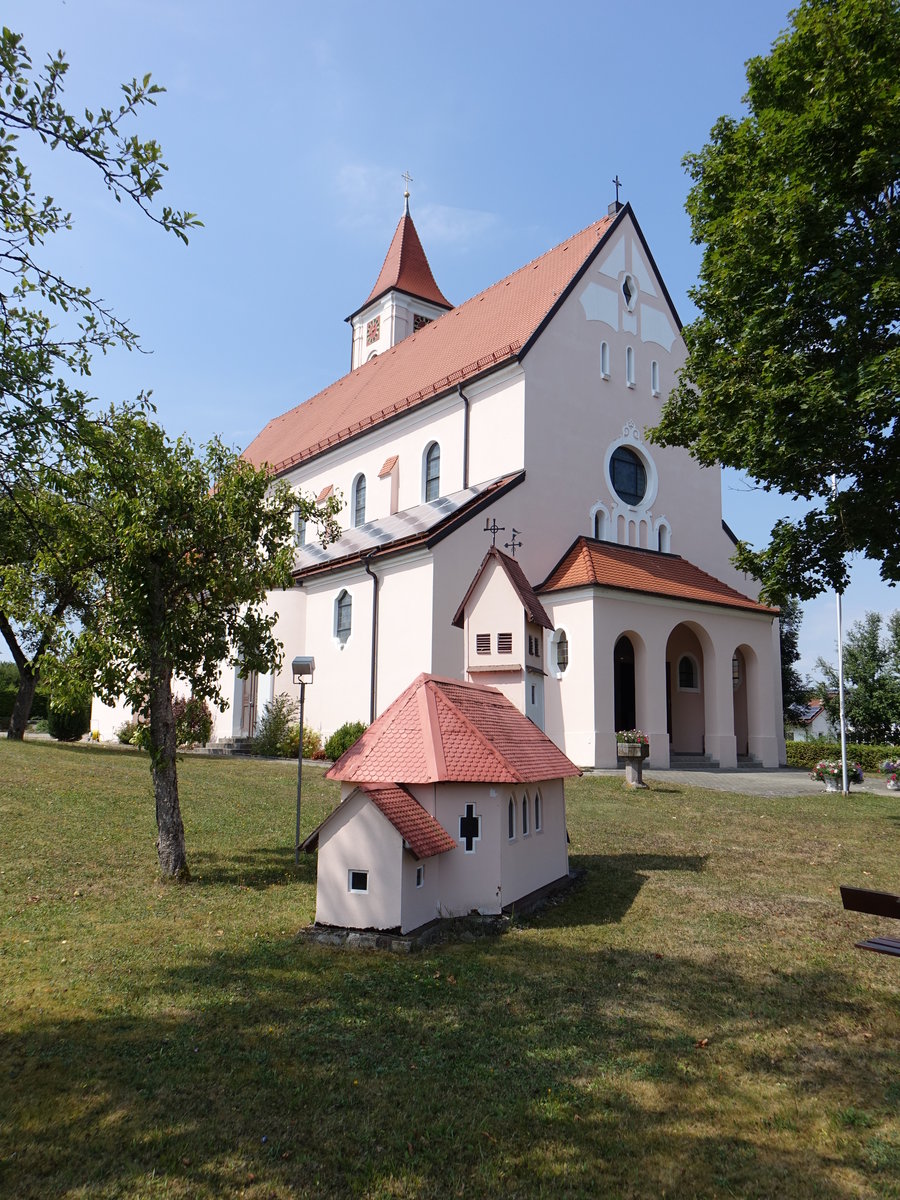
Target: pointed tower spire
[405, 297]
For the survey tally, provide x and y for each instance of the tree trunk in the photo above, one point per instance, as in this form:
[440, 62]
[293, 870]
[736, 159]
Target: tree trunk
[170, 844]
[22, 707]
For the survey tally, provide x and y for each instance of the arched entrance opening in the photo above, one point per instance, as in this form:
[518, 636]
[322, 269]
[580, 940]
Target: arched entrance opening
[623, 683]
[685, 692]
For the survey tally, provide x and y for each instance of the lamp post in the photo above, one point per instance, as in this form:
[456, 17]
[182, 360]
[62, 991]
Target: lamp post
[302, 669]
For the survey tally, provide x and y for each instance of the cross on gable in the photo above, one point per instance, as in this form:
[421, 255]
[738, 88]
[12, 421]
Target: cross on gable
[618, 183]
[470, 829]
[493, 529]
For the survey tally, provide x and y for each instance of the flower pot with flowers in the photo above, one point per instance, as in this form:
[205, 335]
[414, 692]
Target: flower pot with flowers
[891, 768]
[831, 773]
[633, 746]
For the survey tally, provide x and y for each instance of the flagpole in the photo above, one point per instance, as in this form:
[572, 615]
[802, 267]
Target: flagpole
[845, 782]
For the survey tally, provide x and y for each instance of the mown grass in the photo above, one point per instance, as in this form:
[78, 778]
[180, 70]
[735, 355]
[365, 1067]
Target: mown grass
[693, 1020]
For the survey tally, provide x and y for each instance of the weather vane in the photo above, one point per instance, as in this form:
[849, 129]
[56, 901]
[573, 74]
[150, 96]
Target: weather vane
[513, 545]
[493, 529]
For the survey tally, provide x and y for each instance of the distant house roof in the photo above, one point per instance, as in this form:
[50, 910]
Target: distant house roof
[424, 835]
[487, 331]
[444, 730]
[589, 562]
[422, 525]
[406, 269]
[533, 608]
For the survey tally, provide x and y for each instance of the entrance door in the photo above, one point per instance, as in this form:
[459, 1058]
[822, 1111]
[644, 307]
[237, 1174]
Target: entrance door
[249, 692]
[623, 677]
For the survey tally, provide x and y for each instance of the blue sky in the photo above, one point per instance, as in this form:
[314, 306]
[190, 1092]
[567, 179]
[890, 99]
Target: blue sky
[287, 132]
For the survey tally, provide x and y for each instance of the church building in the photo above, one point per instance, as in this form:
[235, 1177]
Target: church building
[506, 521]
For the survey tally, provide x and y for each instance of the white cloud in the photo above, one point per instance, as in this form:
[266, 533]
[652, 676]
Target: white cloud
[458, 227]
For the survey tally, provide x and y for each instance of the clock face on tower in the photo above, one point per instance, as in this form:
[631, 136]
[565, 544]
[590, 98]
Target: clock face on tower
[373, 330]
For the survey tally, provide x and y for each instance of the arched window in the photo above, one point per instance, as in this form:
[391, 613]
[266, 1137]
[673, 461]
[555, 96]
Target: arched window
[688, 674]
[629, 366]
[562, 651]
[343, 608]
[299, 528]
[654, 377]
[359, 501]
[604, 359]
[511, 819]
[525, 815]
[432, 487]
[538, 815]
[664, 538]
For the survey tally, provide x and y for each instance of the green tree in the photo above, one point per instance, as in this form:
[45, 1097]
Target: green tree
[794, 688]
[871, 680]
[793, 365]
[194, 544]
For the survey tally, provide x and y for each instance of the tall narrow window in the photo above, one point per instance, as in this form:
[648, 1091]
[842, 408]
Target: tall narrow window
[688, 676]
[562, 652]
[432, 472]
[511, 819]
[538, 815]
[359, 501]
[629, 366]
[299, 528]
[604, 359]
[525, 815]
[654, 377]
[343, 609]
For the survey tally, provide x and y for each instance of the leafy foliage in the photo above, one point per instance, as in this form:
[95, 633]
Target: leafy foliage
[342, 739]
[273, 733]
[807, 754]
[793, 366]
[871, 680]
[68, 726]
[193, 721]
[795, 689]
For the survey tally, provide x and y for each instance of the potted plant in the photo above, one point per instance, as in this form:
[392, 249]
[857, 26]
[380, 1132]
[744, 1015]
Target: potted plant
[891, 768]
[633, 746]
[831, 772]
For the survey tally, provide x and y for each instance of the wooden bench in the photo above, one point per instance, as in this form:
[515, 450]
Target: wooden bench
[879, 904]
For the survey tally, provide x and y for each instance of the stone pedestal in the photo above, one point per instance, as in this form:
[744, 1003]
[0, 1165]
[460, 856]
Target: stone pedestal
[634, 754]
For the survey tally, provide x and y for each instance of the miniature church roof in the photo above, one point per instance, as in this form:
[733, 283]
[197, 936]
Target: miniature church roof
[534, 610]
[589, 562]
[424, 835]
[444, 730]
[492, 328]
[406, 269]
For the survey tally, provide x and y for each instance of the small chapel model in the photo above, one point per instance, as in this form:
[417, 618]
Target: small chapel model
[525, 410]
[451, 802]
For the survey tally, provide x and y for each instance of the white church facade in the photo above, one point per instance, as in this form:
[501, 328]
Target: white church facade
[522, 409]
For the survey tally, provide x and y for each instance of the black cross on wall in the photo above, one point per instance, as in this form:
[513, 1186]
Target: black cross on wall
[470, 828]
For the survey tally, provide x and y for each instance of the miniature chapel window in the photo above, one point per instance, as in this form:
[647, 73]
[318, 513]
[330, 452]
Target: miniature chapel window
[432, 487]
[511, 819]
[359, 501]
[343, 611]
[525, 815]
[537, 812]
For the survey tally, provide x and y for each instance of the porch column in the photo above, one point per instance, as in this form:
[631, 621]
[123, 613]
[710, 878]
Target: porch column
[650, 688]
[718, 706]
[763, 710]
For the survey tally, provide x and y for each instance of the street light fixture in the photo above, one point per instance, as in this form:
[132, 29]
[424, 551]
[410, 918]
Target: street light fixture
[302, 668]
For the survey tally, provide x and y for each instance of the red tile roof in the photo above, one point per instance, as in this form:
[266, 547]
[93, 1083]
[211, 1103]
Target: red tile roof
[443, 730]
[490, 329]
[424, 833]
[389, 464]
[325, 493]
[592, 563]
[534, 610]
[406, 268]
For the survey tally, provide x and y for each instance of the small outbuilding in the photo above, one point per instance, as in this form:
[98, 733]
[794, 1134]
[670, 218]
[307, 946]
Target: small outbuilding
[452, 801]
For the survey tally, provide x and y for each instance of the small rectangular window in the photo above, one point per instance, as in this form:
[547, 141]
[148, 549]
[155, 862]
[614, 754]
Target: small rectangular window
[504, 643]
[420, 877]
[482, 643]
[358, 881]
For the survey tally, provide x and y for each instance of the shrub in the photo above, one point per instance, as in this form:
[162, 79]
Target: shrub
[807, 754]
[69, 727]
[273, 734]
[193, 721]
[312, 742]
[126, 732]
[342, 739]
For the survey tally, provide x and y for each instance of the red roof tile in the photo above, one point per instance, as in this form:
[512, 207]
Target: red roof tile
[487, 330]
[534, 610]
[592, 563]
[406, 268]
[443, 730]
[424, 833]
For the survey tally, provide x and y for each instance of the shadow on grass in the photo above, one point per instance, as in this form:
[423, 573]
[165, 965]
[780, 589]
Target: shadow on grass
[502, 1068]
[611, 885]
[255, 869]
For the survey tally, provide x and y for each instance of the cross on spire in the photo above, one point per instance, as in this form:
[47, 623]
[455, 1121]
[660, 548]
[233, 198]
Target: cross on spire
[513, 545]
[407, 179]
[493, 529]
[618, 183]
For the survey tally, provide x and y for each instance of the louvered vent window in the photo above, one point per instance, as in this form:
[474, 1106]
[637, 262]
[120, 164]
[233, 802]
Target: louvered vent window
[504, 643]
[482, 643]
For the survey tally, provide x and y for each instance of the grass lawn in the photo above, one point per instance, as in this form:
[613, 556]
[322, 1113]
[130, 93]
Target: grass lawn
[692, 1021]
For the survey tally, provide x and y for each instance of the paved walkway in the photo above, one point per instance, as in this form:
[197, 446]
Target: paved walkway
[786, 781]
